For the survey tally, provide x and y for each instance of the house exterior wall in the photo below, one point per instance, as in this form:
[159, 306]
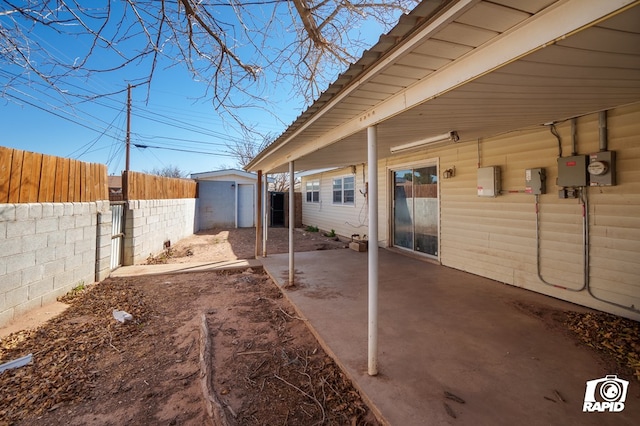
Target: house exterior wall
[496, 237]
[46, 249]
[345, 220]
[149, 223]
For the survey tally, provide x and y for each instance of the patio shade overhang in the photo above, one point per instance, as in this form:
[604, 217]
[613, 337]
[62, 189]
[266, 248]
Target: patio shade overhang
[477, 67]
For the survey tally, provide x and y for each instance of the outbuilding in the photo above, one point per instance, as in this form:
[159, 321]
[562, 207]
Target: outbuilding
[226, 198]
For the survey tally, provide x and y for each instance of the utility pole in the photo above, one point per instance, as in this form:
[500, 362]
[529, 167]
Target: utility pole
[128, 147]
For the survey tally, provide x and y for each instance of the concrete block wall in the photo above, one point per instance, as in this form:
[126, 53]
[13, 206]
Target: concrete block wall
[149, 223]
[46, 249]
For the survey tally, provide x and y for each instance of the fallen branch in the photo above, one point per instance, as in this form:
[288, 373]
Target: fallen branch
[453, 397]
[189, 348]
[252, 352]
[213, 406]
[305, 394]
[291, 316]
[111, 339]
[449, 410]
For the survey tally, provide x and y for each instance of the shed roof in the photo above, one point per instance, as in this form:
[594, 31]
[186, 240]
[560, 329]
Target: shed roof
[226, 173]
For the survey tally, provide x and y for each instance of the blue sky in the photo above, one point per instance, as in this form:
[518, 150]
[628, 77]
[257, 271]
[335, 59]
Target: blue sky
[173, 116]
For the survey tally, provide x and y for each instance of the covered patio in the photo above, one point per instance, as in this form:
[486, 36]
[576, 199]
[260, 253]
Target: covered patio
[498, 348]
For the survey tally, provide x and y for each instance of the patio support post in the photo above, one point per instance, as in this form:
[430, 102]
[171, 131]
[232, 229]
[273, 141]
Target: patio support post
[258, 214]
[292, 220]
[265, 215]
[372, 194]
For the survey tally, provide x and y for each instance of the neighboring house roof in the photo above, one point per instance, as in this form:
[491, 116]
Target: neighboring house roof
[226, 174]
[114, 181]
[480, 68]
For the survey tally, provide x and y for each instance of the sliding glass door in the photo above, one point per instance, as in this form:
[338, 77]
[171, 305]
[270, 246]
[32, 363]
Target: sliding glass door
[415, 209]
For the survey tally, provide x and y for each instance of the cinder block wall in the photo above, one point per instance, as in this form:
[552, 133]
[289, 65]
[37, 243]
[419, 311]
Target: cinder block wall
[149, 223]
[46, 249]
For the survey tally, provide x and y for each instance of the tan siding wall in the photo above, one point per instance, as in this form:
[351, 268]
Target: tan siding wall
[344, 219]
[495, 237]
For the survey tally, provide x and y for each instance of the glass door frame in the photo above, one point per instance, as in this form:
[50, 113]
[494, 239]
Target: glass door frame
[391, 170]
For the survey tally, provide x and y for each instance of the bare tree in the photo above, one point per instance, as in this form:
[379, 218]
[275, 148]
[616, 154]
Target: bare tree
[244, 151]
[281, 182]
[226, 43]
[168, 171]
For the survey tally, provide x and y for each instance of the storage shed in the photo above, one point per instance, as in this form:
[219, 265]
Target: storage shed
[226, 198]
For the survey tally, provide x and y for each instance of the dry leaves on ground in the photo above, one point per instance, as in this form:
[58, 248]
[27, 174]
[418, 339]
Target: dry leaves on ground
[90, 369]
[65, 349]
[616, 336]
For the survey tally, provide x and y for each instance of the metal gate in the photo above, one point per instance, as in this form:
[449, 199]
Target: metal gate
[117, 233]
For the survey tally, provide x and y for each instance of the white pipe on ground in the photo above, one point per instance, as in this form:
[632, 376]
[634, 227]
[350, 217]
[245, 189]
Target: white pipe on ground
[291, 221]
[372, 194]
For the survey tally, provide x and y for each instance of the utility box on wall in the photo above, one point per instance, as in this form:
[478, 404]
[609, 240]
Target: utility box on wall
[489, 181]
[535, 181]
[572, 171]
[602, 168]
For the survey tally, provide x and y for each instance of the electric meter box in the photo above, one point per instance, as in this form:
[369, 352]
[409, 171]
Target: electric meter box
[535, 181]
[572, 171]
[489, 181]
[602, 168]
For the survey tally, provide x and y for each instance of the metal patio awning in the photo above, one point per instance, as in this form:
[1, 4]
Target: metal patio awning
[478, 67]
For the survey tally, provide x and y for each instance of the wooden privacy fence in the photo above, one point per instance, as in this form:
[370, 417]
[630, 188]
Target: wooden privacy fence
[29, 177]
[423, 190]
[140, 186]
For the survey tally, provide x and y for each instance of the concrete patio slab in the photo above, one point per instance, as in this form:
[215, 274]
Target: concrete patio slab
[443, 330]
[178, 268]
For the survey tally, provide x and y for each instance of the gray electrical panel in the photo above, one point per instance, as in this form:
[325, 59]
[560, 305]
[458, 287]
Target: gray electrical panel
[489, 181]
[535, 181]
[572, 171]
[602, 168]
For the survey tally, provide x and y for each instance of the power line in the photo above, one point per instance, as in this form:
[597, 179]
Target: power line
[51, 112]
[89, 145]
[184, 150]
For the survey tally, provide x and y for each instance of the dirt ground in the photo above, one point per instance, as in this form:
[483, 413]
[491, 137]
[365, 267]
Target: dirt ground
[201, 346]
[239, 243]
[207, 345]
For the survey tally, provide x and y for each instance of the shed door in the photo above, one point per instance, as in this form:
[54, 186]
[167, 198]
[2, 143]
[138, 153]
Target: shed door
[415, 209]
[246, 210]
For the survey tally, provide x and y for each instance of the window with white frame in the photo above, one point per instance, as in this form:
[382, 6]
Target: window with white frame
[344, 190]
[312, 188]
